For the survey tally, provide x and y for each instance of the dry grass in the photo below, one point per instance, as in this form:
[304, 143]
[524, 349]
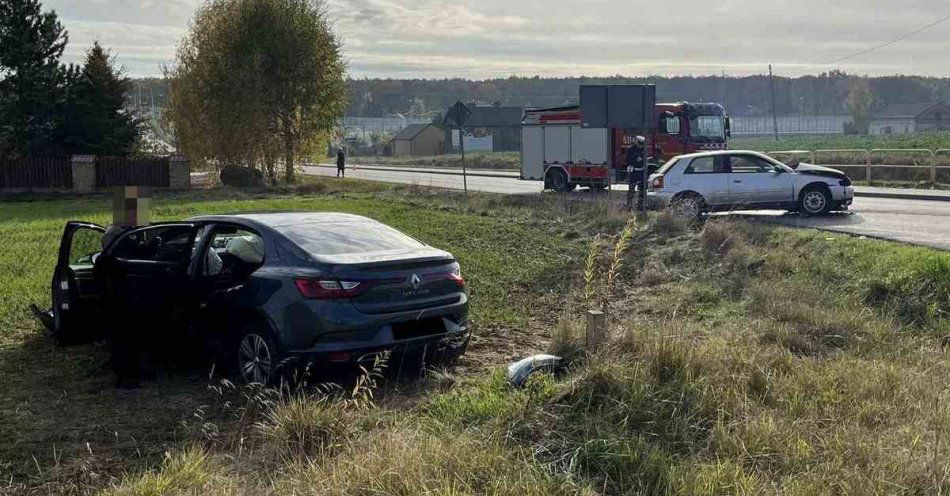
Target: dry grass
[741, 360]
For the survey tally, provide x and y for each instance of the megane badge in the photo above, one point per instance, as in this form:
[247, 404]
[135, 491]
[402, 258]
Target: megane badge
[415, 281]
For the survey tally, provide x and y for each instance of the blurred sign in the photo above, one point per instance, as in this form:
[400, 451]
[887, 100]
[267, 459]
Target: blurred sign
[474, 143]
[623, 106]
[479, 144]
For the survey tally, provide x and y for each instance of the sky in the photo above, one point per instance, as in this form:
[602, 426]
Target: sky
[481, 39]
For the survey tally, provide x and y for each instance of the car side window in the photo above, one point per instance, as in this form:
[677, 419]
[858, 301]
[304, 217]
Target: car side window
[84, 246]
[233, 251]
[704, 165]
[157, 244]
[747, 164]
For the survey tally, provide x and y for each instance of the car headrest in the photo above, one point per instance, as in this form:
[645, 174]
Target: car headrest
[249, 249]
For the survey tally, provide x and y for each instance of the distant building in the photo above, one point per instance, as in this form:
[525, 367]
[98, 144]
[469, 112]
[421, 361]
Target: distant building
[904, 118]
[419, 140]
[489, 128]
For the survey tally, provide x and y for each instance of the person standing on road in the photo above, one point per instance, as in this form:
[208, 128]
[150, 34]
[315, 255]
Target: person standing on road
[635, 164]
[340, 163]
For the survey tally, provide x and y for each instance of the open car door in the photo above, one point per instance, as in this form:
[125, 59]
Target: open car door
[75, 294]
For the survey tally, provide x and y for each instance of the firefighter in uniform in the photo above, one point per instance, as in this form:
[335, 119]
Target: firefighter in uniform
[635, 165]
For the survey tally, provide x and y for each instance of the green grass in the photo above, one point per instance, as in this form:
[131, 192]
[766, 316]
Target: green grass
[58, 403]
[741, 359]
[473, 160]
[929, 141]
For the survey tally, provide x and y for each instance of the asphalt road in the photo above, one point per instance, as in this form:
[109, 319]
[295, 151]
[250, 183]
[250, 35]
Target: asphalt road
[917, 222]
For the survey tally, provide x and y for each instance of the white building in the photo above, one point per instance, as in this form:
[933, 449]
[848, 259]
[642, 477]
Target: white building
[905, 118]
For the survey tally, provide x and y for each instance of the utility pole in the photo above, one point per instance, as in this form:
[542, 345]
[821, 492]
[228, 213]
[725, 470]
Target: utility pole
[774, 114]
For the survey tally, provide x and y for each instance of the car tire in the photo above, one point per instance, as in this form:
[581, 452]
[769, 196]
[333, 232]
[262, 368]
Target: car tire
[814, 201]
[557, 178]
[257, 357]
[688, 205]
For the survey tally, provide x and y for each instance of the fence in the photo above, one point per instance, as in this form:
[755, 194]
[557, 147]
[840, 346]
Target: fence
[918, 165]
[120, 171]
[789, 125]
[36, 173]
[85, 174]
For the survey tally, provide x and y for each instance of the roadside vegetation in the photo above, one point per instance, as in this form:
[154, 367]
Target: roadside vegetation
[741, 359]
[929, 141]
[477, 160]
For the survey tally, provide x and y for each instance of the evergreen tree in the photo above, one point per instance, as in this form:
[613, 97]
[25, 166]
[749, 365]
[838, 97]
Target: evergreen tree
[32, 80]
[96, 121]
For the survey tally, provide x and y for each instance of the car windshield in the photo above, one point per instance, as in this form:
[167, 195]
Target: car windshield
[707, 126]
[338, 238]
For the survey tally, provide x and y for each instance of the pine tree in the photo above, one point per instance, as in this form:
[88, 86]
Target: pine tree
[96, 120]
[32, 80]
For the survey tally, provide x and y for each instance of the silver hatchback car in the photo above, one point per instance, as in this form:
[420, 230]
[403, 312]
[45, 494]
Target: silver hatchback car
[744, 180]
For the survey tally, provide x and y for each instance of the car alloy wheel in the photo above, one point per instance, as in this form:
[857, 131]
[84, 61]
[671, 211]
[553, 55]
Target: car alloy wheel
[815, 202]
[687, 207]
[255, 359]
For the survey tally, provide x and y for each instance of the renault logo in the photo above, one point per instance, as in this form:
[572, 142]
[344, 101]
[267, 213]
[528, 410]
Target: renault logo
[415, 281]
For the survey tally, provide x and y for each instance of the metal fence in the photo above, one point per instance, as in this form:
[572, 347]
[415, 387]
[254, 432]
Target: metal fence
[789, 125]
[912, 164]
[124, 171]
[36, 173]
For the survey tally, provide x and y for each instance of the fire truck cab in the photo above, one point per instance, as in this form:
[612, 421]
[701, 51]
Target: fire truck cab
[557, 149]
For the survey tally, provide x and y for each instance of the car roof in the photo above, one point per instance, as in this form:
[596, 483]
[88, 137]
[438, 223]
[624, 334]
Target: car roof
[715, 153]
[280, 219]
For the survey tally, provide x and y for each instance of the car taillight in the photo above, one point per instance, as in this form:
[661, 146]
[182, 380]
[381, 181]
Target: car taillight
[657, 183]
[329, 289]
[454, 276]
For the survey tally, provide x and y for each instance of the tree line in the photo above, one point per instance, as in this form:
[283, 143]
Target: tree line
[48, 108]
[822, 94]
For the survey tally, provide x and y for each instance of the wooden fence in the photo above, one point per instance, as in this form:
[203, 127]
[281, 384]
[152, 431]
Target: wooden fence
[36, 173]
[124, 171]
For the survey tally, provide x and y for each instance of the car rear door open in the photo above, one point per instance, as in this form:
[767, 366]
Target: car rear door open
[147, 270]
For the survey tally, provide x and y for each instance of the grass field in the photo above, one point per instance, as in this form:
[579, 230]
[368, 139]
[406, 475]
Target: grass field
[476, 160]
[742, 359]
[929, 141]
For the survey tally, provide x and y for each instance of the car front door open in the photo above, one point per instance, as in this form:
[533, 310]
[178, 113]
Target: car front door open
[74, 292]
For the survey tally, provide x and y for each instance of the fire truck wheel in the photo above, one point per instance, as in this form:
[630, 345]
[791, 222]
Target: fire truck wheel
[557, 178]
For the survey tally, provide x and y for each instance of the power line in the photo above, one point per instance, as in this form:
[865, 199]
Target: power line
[889, 43]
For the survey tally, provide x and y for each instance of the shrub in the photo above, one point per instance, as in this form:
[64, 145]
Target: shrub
[306, 427]
[242, 177]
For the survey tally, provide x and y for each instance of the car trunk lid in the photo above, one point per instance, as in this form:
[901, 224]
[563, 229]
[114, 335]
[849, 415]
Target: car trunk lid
[405, 284]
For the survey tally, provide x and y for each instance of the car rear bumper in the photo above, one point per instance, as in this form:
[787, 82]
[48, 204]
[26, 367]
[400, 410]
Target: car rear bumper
[338, 355]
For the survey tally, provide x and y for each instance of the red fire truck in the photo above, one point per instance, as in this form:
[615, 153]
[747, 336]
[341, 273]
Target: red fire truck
[557, 149]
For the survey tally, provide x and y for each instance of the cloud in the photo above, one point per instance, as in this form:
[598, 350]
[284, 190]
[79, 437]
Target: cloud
[489, 38]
